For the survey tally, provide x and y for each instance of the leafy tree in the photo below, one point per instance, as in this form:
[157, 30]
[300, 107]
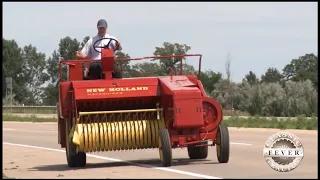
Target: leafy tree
[271, 99]
[241, 96]
[272, 75]
[251, 78]
[66, 51]
[50, 94]
[245, 97]
[301, 98]
[123, 64]
[303, 68]
[187, 69]
[53, 67]
[273, 96]
[6, 101]
[209, 79]
[146, 69]
[84, 41]
[33, 73]
[221, 92]
[11, 67]
[68, 47]
[256, 103]
[169, 49]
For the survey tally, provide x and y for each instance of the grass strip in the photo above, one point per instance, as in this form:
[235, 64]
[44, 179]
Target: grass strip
[30, 111]
[5, 177]
[286, 123]
[27, 119]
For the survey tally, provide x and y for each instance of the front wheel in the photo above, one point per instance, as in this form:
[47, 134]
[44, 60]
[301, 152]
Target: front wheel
[165, 150]
[74, 158]
[223, 144]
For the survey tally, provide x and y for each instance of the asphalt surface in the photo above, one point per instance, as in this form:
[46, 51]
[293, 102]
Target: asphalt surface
[31, 150]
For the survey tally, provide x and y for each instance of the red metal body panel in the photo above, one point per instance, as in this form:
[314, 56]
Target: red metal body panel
[187, 101]
[117, 88]
[107, 63]
[76, 70]
[188, 113]
[65, 100]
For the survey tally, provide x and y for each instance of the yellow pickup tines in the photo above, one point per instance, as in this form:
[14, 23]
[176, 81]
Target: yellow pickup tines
[111, 131]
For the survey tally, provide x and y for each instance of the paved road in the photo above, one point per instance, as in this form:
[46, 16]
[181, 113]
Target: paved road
[31, 151]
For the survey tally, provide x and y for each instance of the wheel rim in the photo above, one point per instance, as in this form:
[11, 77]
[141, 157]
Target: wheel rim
[218, 143]
[160, 150]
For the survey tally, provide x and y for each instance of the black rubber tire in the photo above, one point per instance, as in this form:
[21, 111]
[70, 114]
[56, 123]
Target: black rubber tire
[74, 158]
[224, 144]
[166, 147]
[198, 152]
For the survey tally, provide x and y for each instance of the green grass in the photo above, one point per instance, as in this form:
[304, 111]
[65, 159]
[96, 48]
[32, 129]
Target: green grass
[235, 113]
[30, 111]
[27, 119]
[5, 177]
[259, 122]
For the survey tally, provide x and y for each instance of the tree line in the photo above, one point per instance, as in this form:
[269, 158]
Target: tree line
[292, 92]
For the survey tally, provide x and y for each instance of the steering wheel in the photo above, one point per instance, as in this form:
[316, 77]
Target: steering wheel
[104, 47]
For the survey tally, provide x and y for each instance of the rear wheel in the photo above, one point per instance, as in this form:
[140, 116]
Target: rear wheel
[200, 152]
[223, 144]
[165, 150]
[74, 158]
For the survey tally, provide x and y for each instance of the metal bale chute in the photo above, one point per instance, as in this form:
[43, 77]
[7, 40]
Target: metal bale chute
[121, 114]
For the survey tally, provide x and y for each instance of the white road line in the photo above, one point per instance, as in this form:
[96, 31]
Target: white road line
[24, 122]
[30, 130]
[119, 160]
[8, 129]
[238, 143]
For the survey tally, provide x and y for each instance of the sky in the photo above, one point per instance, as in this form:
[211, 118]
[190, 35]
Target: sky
[257, 35]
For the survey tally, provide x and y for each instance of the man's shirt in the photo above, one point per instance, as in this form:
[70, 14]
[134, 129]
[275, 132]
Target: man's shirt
[88, 48]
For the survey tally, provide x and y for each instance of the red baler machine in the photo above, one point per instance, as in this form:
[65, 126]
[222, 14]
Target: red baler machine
[161, 112]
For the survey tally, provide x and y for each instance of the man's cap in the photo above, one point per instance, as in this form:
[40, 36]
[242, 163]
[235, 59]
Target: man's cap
[102, 23]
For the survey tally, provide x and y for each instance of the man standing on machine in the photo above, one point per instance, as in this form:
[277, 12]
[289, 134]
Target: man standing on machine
[89, 52]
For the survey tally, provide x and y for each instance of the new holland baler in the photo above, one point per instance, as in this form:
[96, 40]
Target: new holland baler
[112, 114]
